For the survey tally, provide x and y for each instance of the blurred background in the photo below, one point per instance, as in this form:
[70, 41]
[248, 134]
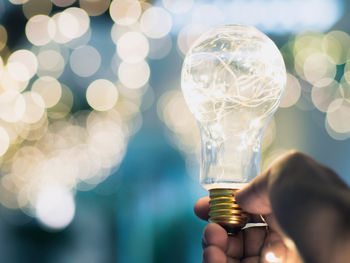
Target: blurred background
[98, 151]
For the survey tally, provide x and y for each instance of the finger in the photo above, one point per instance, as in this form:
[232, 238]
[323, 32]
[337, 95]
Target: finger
[255, 259]
[287, 172]
[334, 178]
[254, 197]
[272, 223]
[273, 237]
[304, 198]
[274, 252]
[235, 246]
[295, 166]
[213, 254]
[232, 260]
[254, 218]
[254, 238]
[215, 235]
[201, 208]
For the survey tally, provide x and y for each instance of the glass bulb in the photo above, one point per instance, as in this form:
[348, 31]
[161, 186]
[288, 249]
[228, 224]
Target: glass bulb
[233, 78]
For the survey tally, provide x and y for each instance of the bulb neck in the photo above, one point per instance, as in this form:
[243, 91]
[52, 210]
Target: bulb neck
[224, 210]
[234, 159]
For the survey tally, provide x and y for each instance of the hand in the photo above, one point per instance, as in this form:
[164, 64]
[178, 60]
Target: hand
[307, 208]
[252, 245]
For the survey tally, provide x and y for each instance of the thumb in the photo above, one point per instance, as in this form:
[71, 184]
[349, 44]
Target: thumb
[309, 202]
[254, 198]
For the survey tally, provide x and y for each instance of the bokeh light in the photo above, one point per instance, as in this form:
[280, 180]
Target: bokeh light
[336, 44]
[178, 6]
[334, 134]
[63, 3]
[34, 131]
[118, 31]
[134, 75]
[18, 2]
[51, 63]
[304, 46]
[7, 82]
[106, 143]
[344, 88]
[156, 22]
[4, 141]
[321, 60]
[94, 7]
[70, 23]
[22, 65]
[132, 47]
[73, 22]
[35, 107]
[125, 12]
[62, 108]
[49, 89]
[59, 37]
[12, 106]
[37, 7]
[292, 92]
[319, 68]
[338, 115]
[55, 207]
[102, 95]
[322, 97]
[3, 37]
[85, 61]
[40, 30]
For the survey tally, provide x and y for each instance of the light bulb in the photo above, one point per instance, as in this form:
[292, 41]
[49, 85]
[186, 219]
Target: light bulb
[233, 78]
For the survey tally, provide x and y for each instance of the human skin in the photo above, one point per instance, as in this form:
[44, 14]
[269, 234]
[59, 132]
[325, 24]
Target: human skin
[307, 208]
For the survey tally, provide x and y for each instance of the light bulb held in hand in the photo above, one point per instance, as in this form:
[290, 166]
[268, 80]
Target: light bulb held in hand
[233, 78]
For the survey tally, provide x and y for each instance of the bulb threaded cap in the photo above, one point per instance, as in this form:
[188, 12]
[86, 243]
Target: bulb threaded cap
[224, 210]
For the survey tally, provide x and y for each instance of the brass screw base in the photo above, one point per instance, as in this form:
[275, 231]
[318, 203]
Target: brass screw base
[224, 210]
